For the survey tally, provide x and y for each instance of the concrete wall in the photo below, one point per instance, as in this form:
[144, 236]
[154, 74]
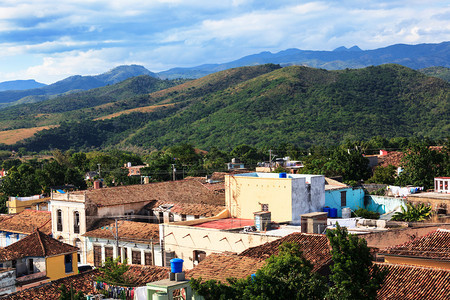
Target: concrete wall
[287, 198]
[7, 281]
[354, 196]
[128, 246]
[55, 266]
[382, 204]
[184, 240]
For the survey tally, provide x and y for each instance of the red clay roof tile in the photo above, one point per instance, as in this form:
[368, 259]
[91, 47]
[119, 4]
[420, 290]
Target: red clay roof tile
[435, 244]
[37, 244]
[128, 230]
[27, 222]
[412, 282]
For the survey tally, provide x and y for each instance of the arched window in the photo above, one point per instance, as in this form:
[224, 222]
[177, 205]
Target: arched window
[76, 222]
[59, 220]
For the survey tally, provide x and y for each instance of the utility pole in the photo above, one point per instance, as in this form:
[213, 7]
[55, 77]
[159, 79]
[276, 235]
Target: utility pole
[270, 160]
[173, 171]
[99, 174]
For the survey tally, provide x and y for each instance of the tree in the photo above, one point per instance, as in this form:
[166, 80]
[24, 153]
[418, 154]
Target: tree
[113, 272]
[353, 275]
[70, 294]
[420, 165]
[287, 275]
[383, 175]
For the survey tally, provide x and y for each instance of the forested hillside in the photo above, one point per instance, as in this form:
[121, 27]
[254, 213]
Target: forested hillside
[267, 104]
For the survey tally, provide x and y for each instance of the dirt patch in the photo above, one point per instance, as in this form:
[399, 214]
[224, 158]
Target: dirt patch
[138, 109]
[10, 137]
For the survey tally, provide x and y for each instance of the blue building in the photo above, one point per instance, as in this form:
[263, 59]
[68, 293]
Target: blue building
[339, 195]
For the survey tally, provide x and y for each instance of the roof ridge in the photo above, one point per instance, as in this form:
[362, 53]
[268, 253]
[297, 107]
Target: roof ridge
[41, 242]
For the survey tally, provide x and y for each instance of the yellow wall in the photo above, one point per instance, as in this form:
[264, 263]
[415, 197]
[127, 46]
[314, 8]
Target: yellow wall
[17, 206]
[245, 193]
[56, 269]
[417, 262]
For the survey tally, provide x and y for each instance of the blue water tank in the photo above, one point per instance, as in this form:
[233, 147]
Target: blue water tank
[176, 265]
[327, 210]
[333, 212]
[282, 175]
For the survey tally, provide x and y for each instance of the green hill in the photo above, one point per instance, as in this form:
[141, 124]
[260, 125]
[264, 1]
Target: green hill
[265, 105]
[439, 72]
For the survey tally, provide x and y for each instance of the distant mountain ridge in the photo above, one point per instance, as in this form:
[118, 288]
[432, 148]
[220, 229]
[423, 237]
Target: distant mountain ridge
[20, 85]
[74, 83]
[412, 56]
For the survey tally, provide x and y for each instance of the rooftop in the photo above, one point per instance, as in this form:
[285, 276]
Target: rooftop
[307, 177]
[37, 244]
[435, 244]
[431, 195]
[27, 222]
[411, 282]
[140, 275]
[128, 230]
[315, 247]
[186, 208]
[222, 266]
[228, 223]
[185, 191]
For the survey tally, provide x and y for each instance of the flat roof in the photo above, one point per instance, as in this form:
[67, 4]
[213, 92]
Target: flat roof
[276, 175]
[431, 195]
[228, 223]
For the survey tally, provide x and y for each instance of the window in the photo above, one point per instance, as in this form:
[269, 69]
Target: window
[14, 263]
[136, 257]
[161, 217]
[148, 258]
[196, 217]
[30, 266]
[344, 198]
[199, 255]
[183, 217]
[171, 217]
[76, 222]
[59, 221]
[109, 253]
[68, 263]
[77, 243]
[97, 256]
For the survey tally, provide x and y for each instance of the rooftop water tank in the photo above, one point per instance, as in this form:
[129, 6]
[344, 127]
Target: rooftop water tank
[282, 175]
[176, 265]
[346, 213]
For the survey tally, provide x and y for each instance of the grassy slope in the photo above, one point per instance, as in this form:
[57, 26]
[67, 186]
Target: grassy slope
[265, 105]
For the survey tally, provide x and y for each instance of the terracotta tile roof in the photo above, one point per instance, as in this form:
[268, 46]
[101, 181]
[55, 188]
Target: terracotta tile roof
[185, 191]
[315, 247]
[411, 282]
[83, 282]
[37, 244]
[80, 282]
[392, 158]
[27, 222]
[140, 275]
[128, 230]
[223, 266]
[435, 244]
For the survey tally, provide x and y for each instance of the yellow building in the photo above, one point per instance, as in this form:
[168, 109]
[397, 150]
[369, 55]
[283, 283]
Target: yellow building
[40, 257]
[286, 196]
[18, 204]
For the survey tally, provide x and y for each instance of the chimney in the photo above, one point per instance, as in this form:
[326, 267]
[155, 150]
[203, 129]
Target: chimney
[98, 184]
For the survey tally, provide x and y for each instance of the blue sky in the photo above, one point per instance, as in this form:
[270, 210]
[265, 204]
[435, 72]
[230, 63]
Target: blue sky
[51, 40]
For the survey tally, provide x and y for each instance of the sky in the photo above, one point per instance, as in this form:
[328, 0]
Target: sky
[49, 40]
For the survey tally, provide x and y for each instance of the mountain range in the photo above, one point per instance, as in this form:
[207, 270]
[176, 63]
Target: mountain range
[69, 85]
[412, 56]
[261, 105]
